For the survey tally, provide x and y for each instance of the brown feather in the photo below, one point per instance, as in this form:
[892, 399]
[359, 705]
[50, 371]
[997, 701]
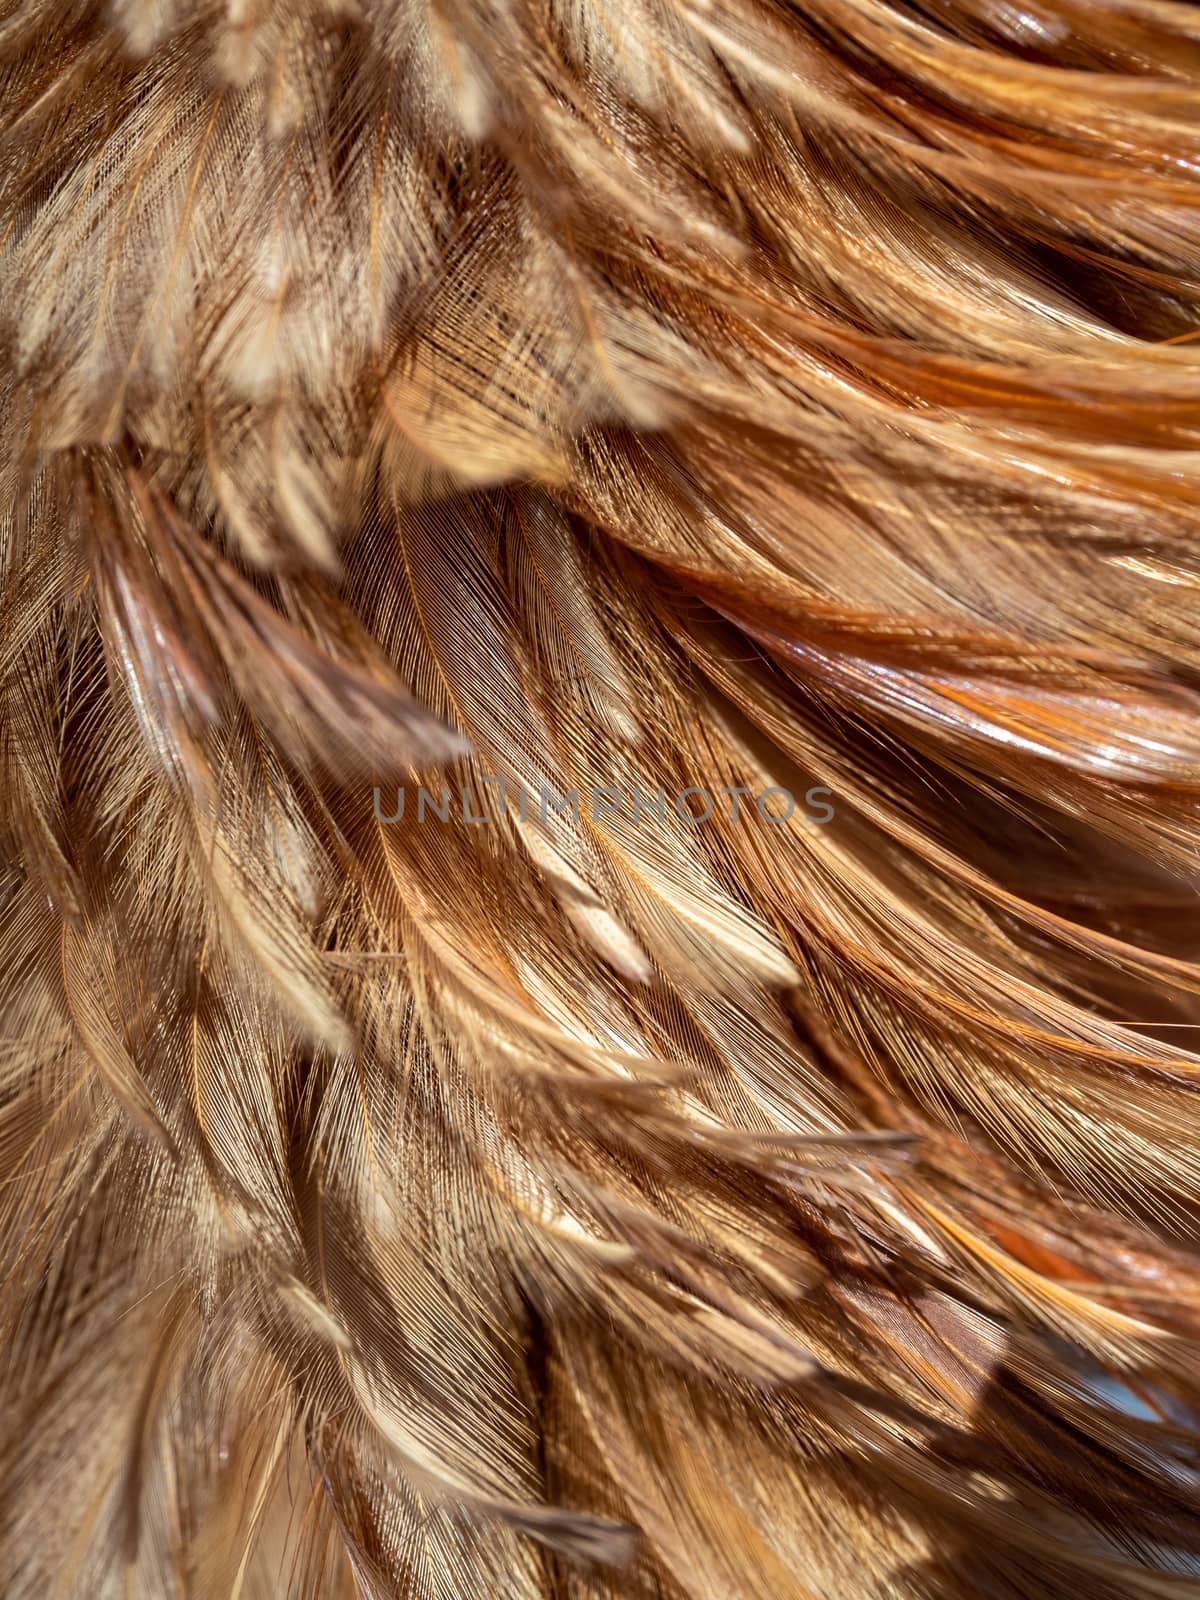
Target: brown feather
[654, 403]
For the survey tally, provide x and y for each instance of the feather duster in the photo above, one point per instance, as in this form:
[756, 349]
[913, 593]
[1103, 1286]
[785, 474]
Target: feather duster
[600, 678]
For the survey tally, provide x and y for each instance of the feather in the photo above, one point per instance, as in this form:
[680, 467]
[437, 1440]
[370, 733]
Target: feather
[724, 1122]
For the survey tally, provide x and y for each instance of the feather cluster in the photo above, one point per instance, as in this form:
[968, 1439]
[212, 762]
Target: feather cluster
[719, 395]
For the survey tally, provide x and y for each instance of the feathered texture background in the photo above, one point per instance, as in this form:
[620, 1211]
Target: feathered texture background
[599, 392]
